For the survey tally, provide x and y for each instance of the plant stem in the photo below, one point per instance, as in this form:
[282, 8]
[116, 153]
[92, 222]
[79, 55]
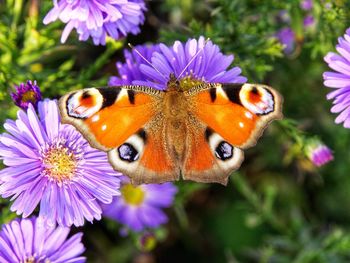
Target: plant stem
[254, 200]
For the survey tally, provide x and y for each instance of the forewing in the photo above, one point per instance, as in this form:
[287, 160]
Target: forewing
[107, 117]
[237, 112]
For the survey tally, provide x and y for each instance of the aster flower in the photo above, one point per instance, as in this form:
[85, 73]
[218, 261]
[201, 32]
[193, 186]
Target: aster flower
[318, 153]
[309, 21]
[306, 5]
[52, 164]
[340, 79]
[31, 240]
[209, 65]
[25, 94]
[327, 5]
[98, 18]
[283, 17]
[141, 206]
[287, 37]
[130, 70]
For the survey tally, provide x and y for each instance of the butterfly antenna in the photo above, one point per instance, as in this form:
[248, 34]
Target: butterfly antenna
[145, 59]
[193, 58]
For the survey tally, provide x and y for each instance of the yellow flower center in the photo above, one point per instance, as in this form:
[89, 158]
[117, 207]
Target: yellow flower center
[60, 163]
[29, 260]
[133, 195]
[32, 260]
[28, 96]
[189, 82]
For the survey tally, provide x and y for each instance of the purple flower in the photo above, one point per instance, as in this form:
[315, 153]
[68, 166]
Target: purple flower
[195, 60]
[52, 164]
[318, 153]
[283, 16]
[25, 94]
[340, 79]
[306, 5]
[130, 70]
[31, 240]
[140, 207]
[98, 18]
[327, 5]
[309, 21]
[287, 37]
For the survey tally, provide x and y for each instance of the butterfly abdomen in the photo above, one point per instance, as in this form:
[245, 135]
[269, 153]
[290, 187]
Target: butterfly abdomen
[175, 115]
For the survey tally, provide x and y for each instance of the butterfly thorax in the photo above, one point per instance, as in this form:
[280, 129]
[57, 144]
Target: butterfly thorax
[176, 110]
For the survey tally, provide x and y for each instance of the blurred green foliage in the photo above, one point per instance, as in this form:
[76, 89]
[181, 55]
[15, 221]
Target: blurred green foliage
[278, 207]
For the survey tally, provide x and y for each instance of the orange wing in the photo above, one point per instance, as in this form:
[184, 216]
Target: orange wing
[209, 157]
[237, 112]
[144, 156]
[108, 116]
[127, 122]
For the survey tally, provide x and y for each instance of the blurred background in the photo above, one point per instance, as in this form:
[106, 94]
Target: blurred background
[280, 206]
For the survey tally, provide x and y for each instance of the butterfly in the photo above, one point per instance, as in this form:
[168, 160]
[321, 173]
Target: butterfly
[152, 136]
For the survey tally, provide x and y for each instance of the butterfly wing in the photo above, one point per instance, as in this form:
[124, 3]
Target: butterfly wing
[151, 161]
[232, 118]
[209, 157]
[238, 112]
[108, 116]
[126, 122]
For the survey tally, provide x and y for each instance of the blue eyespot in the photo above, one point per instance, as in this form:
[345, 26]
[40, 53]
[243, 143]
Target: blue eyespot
[128, 153]
[224, 151]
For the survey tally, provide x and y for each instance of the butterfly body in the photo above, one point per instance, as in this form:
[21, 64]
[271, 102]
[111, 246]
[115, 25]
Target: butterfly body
[155, 136]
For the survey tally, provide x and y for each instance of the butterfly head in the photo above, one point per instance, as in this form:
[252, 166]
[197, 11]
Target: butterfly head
[173, 84]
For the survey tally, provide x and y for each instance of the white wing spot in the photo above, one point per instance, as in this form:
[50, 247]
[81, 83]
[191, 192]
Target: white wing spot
[241, 124]
[104, 127]
[95, 118]
[220, 91]
[248, 115]
[123, 93]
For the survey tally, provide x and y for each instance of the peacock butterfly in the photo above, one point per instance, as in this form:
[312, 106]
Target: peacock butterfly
[154, 136]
